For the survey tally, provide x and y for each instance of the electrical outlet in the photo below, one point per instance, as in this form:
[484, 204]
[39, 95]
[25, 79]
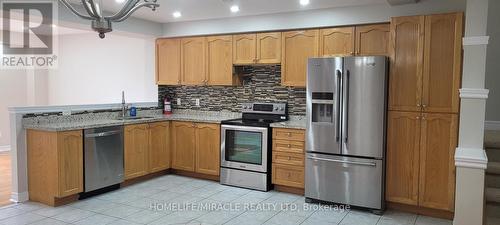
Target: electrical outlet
[197, 102]
[178, 101]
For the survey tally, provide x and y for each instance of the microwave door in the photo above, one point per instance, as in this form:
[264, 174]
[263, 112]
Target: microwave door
[364, 106]
[323, 105]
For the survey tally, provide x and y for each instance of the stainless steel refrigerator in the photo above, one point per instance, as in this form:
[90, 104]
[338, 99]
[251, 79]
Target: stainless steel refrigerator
[345, 134]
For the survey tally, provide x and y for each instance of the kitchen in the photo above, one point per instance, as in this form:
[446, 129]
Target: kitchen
[240, 107]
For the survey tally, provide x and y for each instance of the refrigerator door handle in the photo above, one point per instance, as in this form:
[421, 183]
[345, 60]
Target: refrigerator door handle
[343, 161]
[339, 92]
[345, 122]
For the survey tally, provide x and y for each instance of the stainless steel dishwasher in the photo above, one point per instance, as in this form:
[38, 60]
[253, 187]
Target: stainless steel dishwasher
[103, 157]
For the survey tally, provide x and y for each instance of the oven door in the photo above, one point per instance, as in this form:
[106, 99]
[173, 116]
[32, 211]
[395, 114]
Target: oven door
[244, 147]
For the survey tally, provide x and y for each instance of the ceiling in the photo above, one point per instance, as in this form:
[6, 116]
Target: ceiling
[213, 9]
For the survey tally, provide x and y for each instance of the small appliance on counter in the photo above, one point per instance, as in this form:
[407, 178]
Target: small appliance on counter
[345, 132]
[246, 145]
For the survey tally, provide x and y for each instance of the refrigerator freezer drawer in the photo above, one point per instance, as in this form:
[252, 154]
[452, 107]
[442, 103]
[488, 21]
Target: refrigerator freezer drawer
[345, 180]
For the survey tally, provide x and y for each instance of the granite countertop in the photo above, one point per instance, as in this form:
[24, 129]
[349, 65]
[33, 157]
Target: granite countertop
[62, 123]
[294, 122]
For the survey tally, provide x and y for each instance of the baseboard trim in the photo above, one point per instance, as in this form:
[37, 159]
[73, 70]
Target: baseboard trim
[19, 197]
[492, 125]
[4, 148]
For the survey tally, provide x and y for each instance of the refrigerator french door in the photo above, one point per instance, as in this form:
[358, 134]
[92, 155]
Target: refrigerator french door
[345, 134]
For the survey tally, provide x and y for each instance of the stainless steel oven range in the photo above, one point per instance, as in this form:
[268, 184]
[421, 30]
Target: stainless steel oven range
[246, 146]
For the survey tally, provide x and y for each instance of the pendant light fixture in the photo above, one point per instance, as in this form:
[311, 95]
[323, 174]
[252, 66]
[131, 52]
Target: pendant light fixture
[102, 23]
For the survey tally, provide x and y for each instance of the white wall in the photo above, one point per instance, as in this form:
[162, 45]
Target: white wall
[492, 65]
[93, 70]
[312, 18]
[13, 91]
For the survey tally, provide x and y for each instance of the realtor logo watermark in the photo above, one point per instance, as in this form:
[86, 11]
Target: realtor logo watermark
[29, 38]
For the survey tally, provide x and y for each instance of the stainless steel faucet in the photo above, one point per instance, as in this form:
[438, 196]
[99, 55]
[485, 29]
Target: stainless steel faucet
[124, 105]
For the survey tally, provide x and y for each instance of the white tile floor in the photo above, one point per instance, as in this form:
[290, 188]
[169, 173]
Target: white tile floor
[133, 205]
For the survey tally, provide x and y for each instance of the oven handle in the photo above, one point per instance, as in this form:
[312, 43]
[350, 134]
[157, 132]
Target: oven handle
[244, 128]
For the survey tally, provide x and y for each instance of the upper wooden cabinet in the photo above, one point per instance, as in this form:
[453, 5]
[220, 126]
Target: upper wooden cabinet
[407, 48]
[136, 149]
[55, 165]
[159, 146]
[208, 148]
[426, 63]
[220, 56]
[244, 49]
[442, 63]
[297, 48]
[372, 39]
[336, 41]
[260, 48]
[193, 61]
[183, 146]
[437, 163]
[269, 48]
[168, 61]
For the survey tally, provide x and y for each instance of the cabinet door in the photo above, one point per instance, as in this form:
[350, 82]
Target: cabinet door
[208, 148]
[403, 140]
[70, 160]
[159, 146]
[437, 169]
[405, 82]
[168, 61]
[442, 62]
[292, 176]
[336, 41]
[372, 39]
[183, 146]
[136, 146]
[269, 48]
[244, 49]
[297, 48]
[220, 60]
[193, 60]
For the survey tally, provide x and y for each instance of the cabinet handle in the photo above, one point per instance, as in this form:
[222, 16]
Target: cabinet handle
[423, 118]
[289, 134]
[424, 105]
[289, 158]
[289, 145]
[418, 117]
[352, 53]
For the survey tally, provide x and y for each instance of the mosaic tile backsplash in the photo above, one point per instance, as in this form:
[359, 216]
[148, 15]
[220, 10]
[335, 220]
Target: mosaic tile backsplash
[260, 84]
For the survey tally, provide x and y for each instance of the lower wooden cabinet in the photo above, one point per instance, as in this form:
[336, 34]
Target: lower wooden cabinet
[146, 149]
[159, 146]
[420, 151]
[55, 165]
[196, 147]
[136, 149]
[288, 157]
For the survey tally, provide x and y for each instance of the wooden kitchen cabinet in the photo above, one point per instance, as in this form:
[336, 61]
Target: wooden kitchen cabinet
[403, 151]
[193, 61]
[420, 164]
[437, 164]
[244, 49]
[136, 150]
[372, 40]
[407, 48]
[220, 65]
[208, 148]
[288, 157]
[336, 41]
[183, 146]
[55, 165]
[159, 146]
[286, 175]
[196, 147]
[269, 48]
[442, 62]
[297, 48]
[168, 61]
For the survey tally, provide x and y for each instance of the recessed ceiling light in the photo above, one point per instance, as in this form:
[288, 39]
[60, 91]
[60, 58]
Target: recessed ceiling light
[304, 2]
[119, 1]
[176, 14]
[235, 8]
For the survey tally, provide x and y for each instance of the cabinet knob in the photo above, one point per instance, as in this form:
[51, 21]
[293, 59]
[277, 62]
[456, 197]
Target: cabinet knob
[424, 105]
[289, 134]
[289, 145]
[289, 158]
[418, 117]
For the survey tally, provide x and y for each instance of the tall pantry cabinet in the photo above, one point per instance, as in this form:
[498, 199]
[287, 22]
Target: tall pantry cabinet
[424, 84]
